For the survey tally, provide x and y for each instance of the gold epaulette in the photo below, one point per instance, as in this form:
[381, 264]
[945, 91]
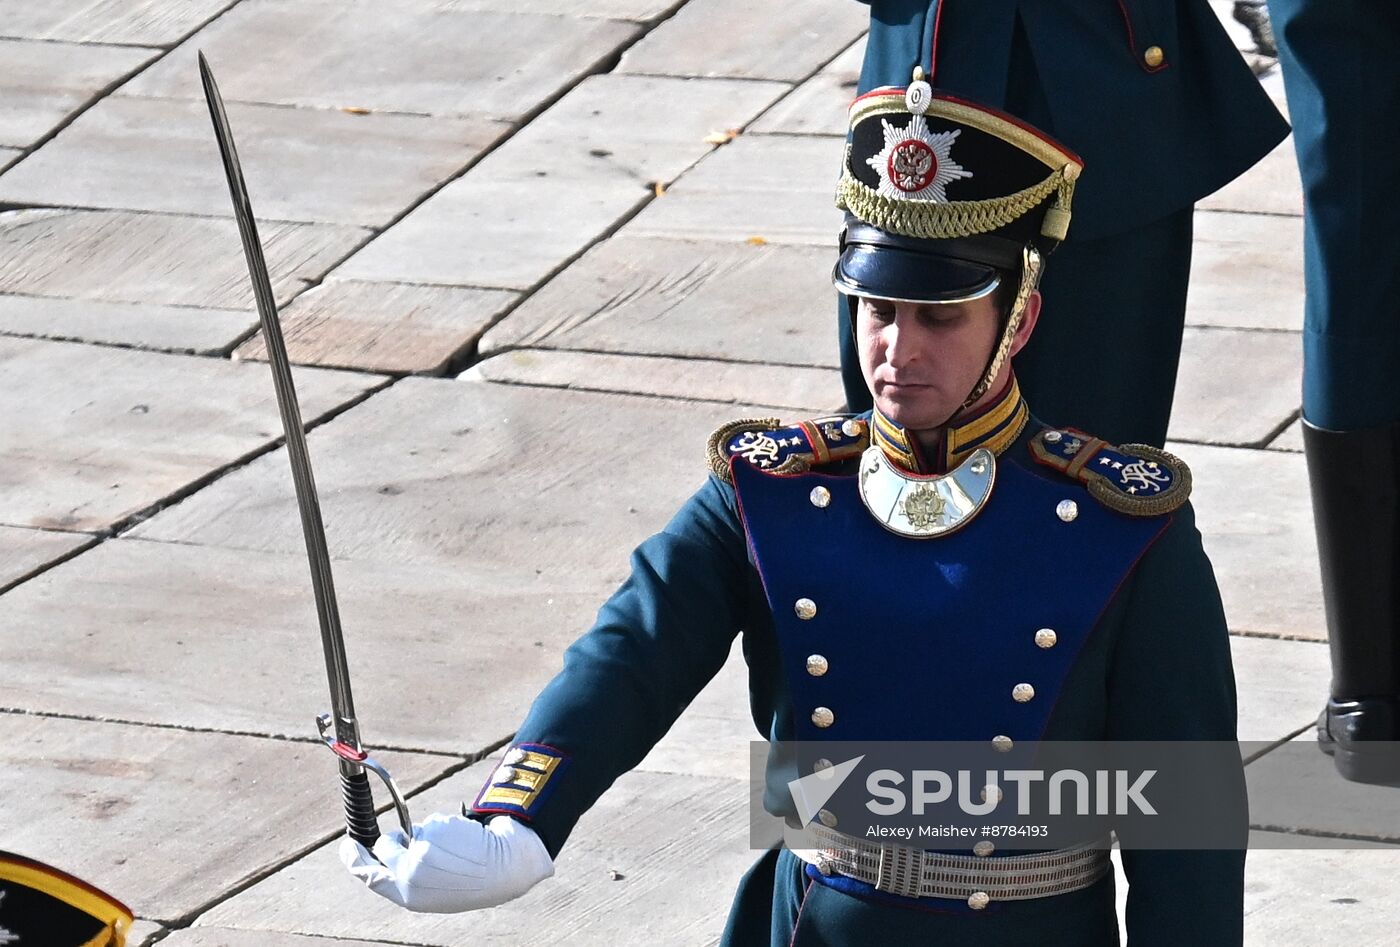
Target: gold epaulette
[767, 445]
[1133, 478]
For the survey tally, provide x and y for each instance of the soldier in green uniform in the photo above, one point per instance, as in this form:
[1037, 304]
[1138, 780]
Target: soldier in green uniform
[1343, 88]
[1156, 99]
[943, 567]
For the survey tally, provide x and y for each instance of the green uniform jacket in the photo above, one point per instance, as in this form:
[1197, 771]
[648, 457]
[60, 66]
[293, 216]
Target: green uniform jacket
[1152, 663]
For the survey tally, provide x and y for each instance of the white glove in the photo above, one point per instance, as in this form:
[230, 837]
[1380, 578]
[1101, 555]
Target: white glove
[452, 864]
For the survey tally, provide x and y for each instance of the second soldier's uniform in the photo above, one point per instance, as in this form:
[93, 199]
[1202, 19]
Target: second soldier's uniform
[1020, 583]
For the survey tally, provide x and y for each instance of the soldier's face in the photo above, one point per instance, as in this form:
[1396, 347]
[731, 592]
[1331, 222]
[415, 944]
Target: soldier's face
[920, 360]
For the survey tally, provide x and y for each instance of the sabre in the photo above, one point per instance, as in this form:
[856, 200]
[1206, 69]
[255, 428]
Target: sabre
[339, 729]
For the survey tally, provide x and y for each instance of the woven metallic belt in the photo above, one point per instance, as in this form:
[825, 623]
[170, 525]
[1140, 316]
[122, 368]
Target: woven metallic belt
[914, 873]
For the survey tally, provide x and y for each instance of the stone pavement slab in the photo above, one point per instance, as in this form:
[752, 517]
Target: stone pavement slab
[138, 22]
[311, 165]
[108, 432]
[800, 390]
[693, 298]
[679, 845]
[22, 551]
[383, 327]
[1246, 272]
[1314, 896]
[167, 820]
[444, 657]
[567, 178]
[143, 932]
[1297, 789]
[442, 470]
[642, 11]
[161, 259]
[397, 57]
[1291, 439]
[42, 82]
[228, 937]
[1236, 386]
[1253, 509]
[1281, 685]
[143, 326]
[8, 156]
[819, 105]
[773, 188]
[748, 39]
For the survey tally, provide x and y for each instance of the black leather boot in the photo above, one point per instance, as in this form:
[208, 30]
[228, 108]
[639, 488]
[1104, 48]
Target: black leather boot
[1355, 480]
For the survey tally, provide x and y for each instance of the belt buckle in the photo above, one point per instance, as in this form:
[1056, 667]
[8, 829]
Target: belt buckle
[900, 871]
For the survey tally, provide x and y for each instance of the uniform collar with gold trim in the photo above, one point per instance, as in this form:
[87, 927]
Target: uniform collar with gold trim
[996, 427]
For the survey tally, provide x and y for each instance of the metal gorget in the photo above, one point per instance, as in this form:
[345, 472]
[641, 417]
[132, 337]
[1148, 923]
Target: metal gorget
[923, 507]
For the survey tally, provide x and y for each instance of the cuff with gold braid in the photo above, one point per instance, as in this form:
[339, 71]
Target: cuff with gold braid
[524, 780]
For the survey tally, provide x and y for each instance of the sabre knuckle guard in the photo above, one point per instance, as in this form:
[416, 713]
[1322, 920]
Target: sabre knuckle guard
[1135, 479]
[767, 445]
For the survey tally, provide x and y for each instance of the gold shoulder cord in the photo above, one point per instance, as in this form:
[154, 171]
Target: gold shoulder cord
[718, 459]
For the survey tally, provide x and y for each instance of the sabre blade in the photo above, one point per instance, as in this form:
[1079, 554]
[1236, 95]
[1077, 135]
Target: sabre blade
[359, 806]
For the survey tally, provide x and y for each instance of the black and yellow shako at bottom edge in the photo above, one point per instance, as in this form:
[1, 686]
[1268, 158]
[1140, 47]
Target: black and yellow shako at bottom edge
[40, 904]
[774, 448]
[1133, 478]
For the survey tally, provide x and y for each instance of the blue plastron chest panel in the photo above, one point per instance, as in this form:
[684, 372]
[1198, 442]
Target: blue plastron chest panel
[968, 636]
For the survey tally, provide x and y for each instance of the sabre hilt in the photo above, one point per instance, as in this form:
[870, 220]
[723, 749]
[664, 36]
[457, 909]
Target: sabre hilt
[360, 822]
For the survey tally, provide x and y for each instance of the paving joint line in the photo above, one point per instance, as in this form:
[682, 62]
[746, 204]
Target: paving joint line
[1391, 840]
[680, 357]
[1275, 636]
[186, 920]
[112, 86]
[108, 343]
[185, 491]
[59, 41]
[1278, 430]
[7, 207]
[673, 399]
[603, 65]
[812, 75]
[224, 731]
[1272, 745]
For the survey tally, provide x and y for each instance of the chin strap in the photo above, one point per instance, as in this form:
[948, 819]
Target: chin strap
[1030, 279]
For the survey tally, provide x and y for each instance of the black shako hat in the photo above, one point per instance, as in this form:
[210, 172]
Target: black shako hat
[943, 196]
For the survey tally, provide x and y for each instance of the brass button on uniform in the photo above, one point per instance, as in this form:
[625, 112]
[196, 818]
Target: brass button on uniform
[1002, 743]
[817, 665]
[820, 497]
[827, 818]
[1154, 57]
[983, 848]
[823, 717]
[1046, 638]
[821, 766]
[978, 900]
[1067, 511]
[991, 791]
[805, 608]
[1022, 693]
